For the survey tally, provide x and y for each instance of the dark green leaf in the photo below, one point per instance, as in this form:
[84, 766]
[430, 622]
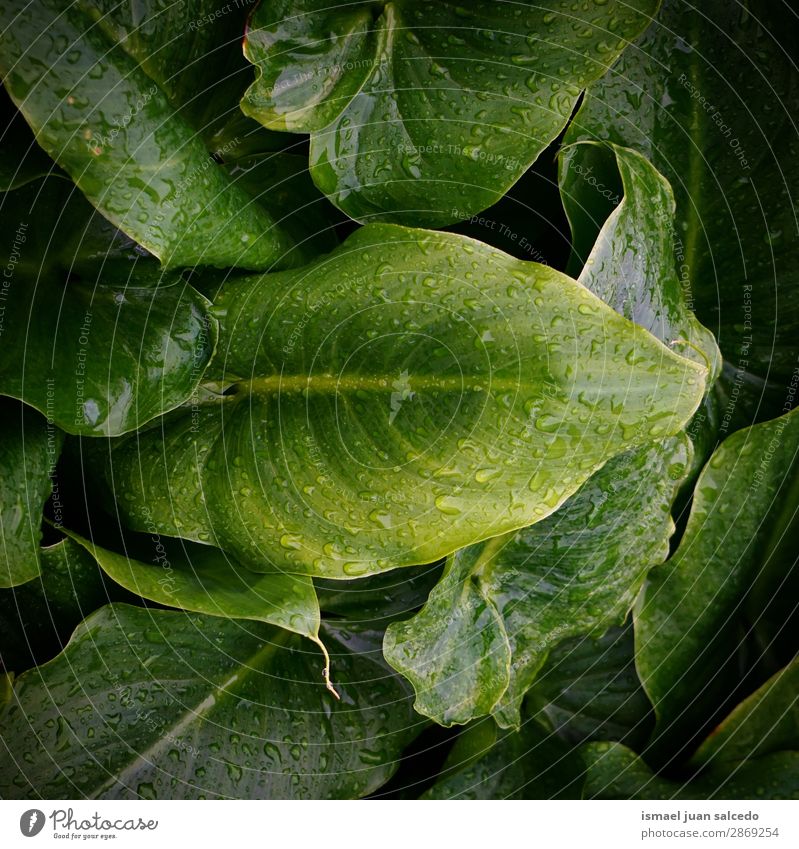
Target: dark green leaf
[59, 234]
[687, 619]
[616, 772]
[425, 113]
[453, 394]
[104, 359]
[162, 704]
[96, 111]
[708, 95]
[200, 579]
[188, 49]
[37, 618]
[589, 690]
[29, 449]
[766, 722]
[477, 645]
[527, 764]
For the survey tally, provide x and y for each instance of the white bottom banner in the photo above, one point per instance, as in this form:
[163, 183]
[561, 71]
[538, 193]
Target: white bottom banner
[389, 824]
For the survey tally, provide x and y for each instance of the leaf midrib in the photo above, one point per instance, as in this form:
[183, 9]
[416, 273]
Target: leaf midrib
[331, 384]
[189, 715]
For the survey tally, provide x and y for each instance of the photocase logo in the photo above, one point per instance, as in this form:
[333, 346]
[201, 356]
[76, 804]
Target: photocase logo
[402, 392]
[31, 822]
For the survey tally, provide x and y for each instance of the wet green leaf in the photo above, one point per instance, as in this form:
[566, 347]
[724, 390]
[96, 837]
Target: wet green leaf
[708, 95]
[687, 619]
[162, 704]
[631, 265]
[37, 618]
[479, 642]
[100, 359]
[631, 260]
[425, 113]
[453, 394]
[615, 772]
[765, 722]
[113, 128]
[200, 579]
[589, 690]
[189, 49]
[528, 764]
[57, 234]
[29, 449]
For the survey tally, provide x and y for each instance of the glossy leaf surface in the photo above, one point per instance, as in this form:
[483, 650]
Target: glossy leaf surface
[29, 449]
[200, 579]
[453, 394]
[60, 235]
[112, 127]
[708, 95]
[631, 265]
[162, 704]
[478, 643]
[425, 113]
[105, 359]
[616, 772]
[526, 764]
[687, 618]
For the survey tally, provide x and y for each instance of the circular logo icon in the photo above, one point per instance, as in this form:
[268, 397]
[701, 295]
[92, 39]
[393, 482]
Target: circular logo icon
[31, 822]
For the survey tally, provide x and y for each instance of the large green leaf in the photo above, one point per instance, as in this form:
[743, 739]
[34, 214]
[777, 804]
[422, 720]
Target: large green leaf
[188, 49]
[201, 69]
[478, 643]
[200, 579]
[412, 393]
[689, 613]
[526, 764]
[76, 77]
[425, 113]
[104, 359]
[153, 703]
[589, 690]
[615, 772]
[29, 449]
[37, 618]
[709, 96]
[631, 265]
[766, 722]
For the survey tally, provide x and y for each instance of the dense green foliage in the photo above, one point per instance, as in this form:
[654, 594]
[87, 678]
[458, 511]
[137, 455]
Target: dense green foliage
[398, 400]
